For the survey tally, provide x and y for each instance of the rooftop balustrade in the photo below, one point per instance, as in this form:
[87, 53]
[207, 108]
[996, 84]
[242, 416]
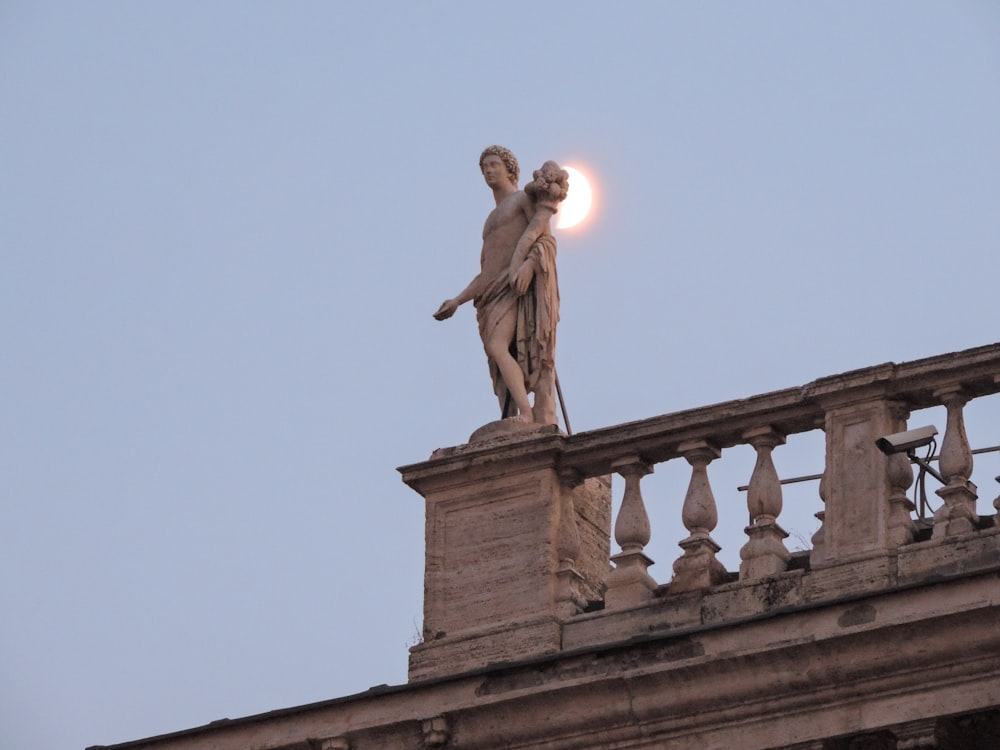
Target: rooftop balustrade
[865, 508]
[519, 559]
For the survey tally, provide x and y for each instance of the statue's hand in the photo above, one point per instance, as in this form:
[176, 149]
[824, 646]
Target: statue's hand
[446, 310]
[522, 279]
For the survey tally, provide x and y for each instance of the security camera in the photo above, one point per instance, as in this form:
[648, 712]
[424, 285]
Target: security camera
[904, 442]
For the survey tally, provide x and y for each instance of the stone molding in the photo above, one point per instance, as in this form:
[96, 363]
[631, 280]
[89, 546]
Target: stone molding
[834, 671]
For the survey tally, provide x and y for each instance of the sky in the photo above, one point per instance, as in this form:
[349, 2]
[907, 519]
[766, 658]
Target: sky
[224, 227]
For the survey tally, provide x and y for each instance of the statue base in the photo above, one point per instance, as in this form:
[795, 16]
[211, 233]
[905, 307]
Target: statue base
[511, 427]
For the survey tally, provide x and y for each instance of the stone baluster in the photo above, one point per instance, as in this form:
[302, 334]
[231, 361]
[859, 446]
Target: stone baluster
[902, 529]
[628, 583]
[698, 568]
[955, 461]
[958, 514]
[765, 553]
[818, 555]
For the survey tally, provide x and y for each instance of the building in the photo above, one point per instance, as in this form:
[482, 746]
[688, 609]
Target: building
[886, 634]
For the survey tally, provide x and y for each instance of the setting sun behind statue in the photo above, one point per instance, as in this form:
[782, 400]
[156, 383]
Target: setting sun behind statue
[575, 208]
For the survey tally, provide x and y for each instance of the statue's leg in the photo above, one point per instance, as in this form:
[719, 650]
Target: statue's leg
[545, 397]
[497, 345]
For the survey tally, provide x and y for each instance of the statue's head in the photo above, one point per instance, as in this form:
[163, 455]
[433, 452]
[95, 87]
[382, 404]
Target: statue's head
[508, 159]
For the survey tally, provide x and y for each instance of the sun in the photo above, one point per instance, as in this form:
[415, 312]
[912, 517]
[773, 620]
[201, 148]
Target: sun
[575, 208]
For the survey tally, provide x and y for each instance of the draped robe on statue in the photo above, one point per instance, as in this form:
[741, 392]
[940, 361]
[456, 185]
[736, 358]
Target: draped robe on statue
[534, 342]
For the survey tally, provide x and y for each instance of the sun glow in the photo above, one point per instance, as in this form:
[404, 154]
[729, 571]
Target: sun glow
[575, 208]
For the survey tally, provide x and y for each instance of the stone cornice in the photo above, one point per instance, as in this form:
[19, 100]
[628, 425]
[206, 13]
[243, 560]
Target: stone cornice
[802, 668]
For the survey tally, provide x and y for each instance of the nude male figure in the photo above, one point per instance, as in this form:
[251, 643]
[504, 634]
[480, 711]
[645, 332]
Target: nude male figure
[516, 293]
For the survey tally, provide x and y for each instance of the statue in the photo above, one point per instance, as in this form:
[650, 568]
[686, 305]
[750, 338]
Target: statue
[516, 293]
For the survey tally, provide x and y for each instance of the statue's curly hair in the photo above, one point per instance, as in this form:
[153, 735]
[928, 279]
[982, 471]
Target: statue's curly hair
[508, 159]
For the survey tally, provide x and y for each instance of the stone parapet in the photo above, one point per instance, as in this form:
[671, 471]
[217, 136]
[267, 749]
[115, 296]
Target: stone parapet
[920, 578]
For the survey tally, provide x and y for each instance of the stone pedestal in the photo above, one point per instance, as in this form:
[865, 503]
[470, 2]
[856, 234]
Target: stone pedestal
[498, 580]
[765, 554]
[958, 513]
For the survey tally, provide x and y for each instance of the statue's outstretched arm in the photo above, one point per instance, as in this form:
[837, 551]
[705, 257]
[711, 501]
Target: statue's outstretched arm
[449, 306]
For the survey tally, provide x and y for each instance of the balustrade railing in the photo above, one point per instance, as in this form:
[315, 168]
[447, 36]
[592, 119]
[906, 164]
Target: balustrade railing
[864, 493]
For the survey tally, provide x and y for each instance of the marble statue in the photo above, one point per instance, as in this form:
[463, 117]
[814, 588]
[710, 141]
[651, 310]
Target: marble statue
[516, 293]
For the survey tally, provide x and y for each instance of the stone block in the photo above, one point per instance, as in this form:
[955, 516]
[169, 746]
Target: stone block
[498, 550]
[661, 615]
[753, 598]
[592, 501]
[851, 578]
[505, 642]
[930, 561]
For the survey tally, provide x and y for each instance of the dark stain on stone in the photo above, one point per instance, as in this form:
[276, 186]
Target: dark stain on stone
[679, 648]
[774, 592]
[510, 681]
[859, 615]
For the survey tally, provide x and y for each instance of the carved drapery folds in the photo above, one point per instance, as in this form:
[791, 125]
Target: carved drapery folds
[698, 568]
[958, 514]
[629, 583]
[765, 553]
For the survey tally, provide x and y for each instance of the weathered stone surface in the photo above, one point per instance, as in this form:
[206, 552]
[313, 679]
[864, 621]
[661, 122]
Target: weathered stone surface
[470, 650]
[864, 574]
[753, 598]
[492, 580]
[930, 561]
[857, 509]
[592, 502]
[776, 682]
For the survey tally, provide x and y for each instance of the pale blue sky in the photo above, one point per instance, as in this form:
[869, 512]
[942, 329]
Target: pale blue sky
[225, 225]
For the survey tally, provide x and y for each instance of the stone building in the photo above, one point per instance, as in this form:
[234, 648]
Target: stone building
[885, 634]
